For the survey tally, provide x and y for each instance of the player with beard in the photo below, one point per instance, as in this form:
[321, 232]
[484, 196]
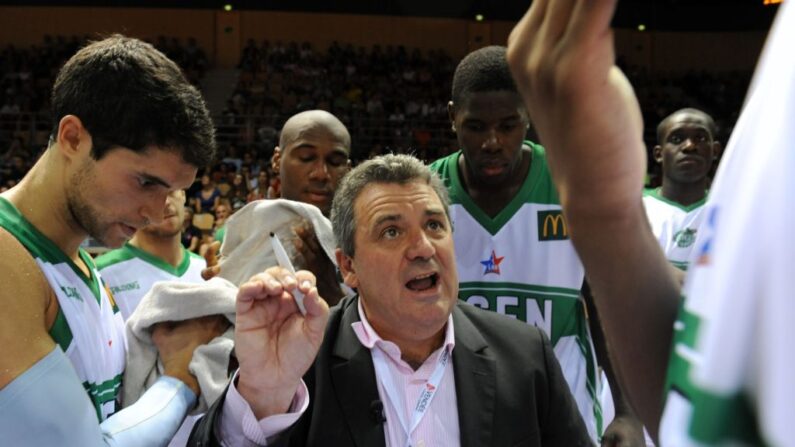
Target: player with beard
[128, 130]
[154, 254]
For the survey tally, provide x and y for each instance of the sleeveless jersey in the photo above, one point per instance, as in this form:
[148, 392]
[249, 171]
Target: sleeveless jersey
[730, 377]
[130, 272]
[522, 264]
[674, 225]
[88, 326]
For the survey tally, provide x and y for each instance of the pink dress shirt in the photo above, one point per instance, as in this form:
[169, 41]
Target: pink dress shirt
[438, 427]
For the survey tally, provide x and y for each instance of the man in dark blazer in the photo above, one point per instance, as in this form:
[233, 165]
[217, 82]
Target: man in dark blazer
[505, 387]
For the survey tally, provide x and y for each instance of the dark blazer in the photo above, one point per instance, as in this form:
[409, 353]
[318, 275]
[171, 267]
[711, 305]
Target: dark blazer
[509, 387]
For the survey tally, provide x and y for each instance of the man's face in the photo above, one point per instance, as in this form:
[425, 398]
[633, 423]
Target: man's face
[491, 128]
[262, 179]
[173, 217]
[687, 149]
[311, 167]
[124, 191]
[404, 264]
[221, 212]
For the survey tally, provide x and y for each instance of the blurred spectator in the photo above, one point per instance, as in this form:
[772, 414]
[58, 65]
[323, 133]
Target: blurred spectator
[260, 191]
[208, 197]
[191, 236]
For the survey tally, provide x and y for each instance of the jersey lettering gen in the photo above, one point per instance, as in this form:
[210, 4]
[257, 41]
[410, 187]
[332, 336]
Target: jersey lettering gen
[130, 272]
[88, 326]
[521, 264]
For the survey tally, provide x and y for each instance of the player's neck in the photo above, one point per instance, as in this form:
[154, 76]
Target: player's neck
[41, 199]
[492, 199]
[684, 193]
[169, 249]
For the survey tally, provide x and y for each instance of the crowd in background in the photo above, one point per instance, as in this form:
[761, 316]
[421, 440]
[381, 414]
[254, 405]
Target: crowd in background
[392, 99]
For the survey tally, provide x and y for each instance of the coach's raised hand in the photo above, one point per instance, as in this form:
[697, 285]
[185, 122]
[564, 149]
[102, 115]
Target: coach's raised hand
[274, 343]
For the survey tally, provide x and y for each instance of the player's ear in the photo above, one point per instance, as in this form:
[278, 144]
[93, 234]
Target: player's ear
[451, 114]
[657, 152]
[717, 149]
[72, 138]
[276, 160]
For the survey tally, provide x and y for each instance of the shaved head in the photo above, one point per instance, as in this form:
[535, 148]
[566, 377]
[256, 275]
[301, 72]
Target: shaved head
[683, 115]
[312, 156]
[309, 123]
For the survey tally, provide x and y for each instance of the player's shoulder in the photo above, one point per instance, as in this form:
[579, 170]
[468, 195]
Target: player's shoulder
[442, 165]
[26, 300]
[19, 273]
[113, 257]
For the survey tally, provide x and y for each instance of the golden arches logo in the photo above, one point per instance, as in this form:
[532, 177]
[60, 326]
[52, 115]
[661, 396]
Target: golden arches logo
[552, 226]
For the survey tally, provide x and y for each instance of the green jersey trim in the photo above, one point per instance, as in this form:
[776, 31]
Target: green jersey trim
[129, 251]
[220, 233]
[520, 287]
[534, 189]
[711, 414]
[680, 265]
[708, 423]
[60, 331]
[101, 393]
[657, 194]
[40, 246]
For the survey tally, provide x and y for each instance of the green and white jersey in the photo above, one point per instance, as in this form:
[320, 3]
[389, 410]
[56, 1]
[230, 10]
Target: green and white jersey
[674, 225]
[130, 272]
[522, 264]
[731, 378]
[88, 326]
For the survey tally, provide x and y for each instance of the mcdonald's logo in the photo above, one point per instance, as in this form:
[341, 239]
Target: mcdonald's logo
[552, 226]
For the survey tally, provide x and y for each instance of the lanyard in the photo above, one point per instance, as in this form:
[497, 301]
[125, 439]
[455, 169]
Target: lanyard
[395, 397]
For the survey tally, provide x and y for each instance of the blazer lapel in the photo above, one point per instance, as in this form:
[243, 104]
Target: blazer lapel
[353, 375]
[475, 383]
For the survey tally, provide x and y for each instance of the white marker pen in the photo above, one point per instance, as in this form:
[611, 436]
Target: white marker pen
[284, 262]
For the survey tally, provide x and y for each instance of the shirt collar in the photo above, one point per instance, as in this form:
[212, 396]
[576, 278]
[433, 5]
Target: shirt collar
[369, 338]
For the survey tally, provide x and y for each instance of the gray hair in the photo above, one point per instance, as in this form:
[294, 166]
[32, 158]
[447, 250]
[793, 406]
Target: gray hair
[391, 168]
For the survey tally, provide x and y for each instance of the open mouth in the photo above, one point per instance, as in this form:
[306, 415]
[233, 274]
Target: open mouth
[423, 282]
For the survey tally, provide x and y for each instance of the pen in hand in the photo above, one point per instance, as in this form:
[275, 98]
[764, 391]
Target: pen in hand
[284, 262]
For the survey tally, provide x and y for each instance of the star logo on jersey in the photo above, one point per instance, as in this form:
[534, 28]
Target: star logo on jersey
[492, 264]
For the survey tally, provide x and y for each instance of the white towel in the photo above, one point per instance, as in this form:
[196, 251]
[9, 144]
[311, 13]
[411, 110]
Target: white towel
[247, 250]
[178, 301]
